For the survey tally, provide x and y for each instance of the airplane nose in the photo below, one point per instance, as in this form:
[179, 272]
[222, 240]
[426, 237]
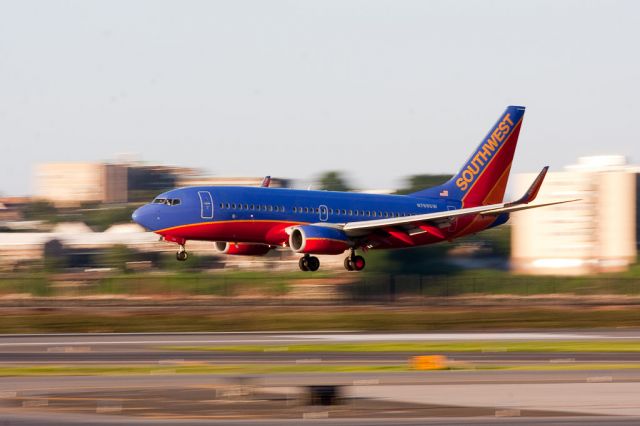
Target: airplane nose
[142, 217]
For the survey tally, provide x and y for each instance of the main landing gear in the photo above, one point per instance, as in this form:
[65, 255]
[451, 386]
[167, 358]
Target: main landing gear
[309, 263]
[353, 262]
[182, 255]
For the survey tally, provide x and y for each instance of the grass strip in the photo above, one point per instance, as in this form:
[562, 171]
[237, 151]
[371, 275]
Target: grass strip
[365, 318]
[431, 347]
[124, 370]
[102, 370]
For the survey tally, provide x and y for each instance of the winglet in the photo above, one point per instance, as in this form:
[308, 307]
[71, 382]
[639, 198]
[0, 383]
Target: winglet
[532, 192]
[266, 182]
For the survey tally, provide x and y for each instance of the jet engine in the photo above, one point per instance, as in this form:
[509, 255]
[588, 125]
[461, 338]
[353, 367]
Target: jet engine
[242, 249]
[318, 240]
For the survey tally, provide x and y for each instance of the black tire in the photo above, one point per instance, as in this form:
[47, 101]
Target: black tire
[347, 264]
[358, 263]
[313, 263]
[182, 256]
[302, 264]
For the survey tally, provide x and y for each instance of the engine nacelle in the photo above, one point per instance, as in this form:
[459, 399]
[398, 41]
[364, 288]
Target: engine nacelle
[242, 249]
[318, 240]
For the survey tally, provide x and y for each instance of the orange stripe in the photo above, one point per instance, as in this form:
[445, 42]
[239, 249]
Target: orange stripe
[498, 185]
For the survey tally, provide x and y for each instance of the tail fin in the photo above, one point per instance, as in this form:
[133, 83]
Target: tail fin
[483, 178]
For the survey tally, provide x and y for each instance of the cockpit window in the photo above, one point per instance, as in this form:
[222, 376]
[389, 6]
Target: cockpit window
[167, 201]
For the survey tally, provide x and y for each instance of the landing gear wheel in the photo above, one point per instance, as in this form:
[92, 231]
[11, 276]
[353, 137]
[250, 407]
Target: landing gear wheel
[182, 255]
[347, 264]
[309, 263]
[302, 264]
[358, 263]
[354, 263]
[313, 263]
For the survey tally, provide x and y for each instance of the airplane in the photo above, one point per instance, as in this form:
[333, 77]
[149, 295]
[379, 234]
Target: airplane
[253, 220]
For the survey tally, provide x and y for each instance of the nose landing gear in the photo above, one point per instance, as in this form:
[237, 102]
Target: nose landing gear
[182, 255]
[353, 262]
[309, 263]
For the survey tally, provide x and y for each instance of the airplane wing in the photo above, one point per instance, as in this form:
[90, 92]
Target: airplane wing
[427, 220]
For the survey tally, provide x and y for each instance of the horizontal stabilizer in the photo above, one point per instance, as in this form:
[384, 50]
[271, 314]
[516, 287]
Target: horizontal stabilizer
[357, 228]
[518, 207]
[532, 192]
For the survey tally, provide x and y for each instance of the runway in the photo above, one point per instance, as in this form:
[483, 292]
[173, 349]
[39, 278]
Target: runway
[11, 340]
[149, 347]
[568, 396]
[75, 355]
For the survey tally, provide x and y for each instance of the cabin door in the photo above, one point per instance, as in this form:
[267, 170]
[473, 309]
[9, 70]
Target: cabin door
[206, 205]
[324, 213]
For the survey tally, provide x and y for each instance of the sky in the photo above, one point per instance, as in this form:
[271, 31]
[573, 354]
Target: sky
[379, 89]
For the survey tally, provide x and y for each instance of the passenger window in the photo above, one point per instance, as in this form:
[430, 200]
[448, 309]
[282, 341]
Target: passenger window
[350, 212]
[338, 212]
[344, 211]
[374, 214]
[270, 208]
[282, 209]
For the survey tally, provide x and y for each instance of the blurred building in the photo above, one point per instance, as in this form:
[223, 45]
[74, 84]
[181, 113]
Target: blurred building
[69, 184]
[146, 181]
[8, 213]
[596, 234]
[194, 180]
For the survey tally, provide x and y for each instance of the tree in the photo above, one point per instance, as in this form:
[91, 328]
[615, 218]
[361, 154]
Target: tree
[40, 210]
[115, 257]
[334, 181]
[418, 182]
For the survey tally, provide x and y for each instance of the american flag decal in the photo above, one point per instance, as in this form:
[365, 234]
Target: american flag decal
[444, 193]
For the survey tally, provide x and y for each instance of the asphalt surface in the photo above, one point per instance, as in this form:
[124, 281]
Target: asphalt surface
[68, 419]
[149, 348]
[75, 355]
[284, 337]
[559, 397]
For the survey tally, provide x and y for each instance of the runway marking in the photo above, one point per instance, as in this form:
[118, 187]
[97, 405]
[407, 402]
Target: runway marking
[600, 379]
[282, 338]
[447, 336]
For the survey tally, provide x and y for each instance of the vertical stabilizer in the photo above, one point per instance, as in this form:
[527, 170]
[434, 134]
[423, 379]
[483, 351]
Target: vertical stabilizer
[483, 178]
